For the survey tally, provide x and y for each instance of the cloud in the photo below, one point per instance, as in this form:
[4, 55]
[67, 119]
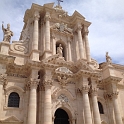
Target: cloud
[105, 33]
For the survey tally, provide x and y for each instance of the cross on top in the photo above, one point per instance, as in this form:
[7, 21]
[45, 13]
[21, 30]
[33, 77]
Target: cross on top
[59, 2]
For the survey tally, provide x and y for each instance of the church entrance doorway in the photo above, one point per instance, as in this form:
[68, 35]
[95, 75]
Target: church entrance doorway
[61, 117]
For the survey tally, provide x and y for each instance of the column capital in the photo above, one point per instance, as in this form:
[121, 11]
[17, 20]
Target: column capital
[33, 83]
[47, 16]
[79, 27]
[115, 94]
[85, 89]
[36, 16]
[94, 91]
[47, 83]
[85, 30]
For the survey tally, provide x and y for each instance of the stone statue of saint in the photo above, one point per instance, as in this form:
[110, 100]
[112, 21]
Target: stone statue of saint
[7, 33]
[59, 50]
[108, 58]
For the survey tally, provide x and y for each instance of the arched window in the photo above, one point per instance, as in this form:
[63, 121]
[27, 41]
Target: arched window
[13, 100]
[100, 108]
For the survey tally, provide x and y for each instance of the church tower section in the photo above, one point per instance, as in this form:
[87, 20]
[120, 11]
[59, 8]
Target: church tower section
[51, 26]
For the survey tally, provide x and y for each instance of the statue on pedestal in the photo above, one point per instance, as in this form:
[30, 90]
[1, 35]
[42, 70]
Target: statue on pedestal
[108, 58]
[7, 33]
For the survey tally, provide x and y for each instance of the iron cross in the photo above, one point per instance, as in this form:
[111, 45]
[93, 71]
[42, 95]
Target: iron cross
[59, 2]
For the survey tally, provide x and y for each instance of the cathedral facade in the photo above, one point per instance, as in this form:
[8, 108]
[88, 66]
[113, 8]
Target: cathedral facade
[49, 76]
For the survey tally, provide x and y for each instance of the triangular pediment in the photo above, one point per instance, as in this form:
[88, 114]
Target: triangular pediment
[77, 14]
[11, 119]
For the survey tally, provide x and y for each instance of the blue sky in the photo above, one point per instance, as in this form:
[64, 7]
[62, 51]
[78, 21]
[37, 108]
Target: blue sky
[106, 32]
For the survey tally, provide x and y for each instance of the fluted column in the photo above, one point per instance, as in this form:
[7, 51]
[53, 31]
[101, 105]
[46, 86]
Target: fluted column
[35, 31]
[80, 42]
[32, 101]
[69, 51]
[87, 111]
[47, 102]
[47, 32]
[87, 43]
[53, 45]
[117, 113]
[96, 114]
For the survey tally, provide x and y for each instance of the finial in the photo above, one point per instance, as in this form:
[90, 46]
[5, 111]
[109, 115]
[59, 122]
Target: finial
[59, 2]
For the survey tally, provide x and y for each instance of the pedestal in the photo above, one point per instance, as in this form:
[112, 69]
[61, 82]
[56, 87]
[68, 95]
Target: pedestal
[34, 56]
[4, 47]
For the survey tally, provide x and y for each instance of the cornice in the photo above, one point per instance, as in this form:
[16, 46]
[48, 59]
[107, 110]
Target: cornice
[111, 79]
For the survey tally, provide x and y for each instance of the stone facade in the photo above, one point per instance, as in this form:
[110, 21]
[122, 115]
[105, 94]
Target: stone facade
[50, 69]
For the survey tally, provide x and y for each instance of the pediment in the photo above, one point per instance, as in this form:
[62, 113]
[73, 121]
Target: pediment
[11, 119]
[77, 14]
[82, 65]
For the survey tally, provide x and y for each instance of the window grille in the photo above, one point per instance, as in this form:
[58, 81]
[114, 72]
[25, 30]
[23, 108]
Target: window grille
[13, 100]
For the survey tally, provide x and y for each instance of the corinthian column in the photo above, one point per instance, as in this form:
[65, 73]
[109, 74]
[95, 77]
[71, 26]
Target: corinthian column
[87, 111]
[35, 31]
[96, 114]
[80, 42]
[118, 117]
[32, 101]
[47, 103]
[87, 43]
[47, 32]
[69, 51]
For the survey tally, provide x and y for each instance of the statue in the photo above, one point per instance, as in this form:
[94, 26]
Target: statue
[7, 33]
[59, 50]
[108, 58]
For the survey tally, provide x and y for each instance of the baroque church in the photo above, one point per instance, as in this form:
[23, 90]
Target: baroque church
[49, 76]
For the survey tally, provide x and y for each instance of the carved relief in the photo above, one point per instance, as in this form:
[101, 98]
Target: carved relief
[3, 80]
[62, 98]
[63, 80]
[62, 28]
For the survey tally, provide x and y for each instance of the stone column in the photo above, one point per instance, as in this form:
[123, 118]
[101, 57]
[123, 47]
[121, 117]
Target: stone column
[87, 43]
[41, 105]
[32, 101]
[47, 102]
[69, 51]
[87, 111]
[35, 31]
[117, 113]
[96, 114]
[80, 42]
[47, 32]
[53, 45]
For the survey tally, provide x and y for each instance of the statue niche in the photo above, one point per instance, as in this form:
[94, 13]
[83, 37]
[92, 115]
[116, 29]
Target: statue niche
[60, 50]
